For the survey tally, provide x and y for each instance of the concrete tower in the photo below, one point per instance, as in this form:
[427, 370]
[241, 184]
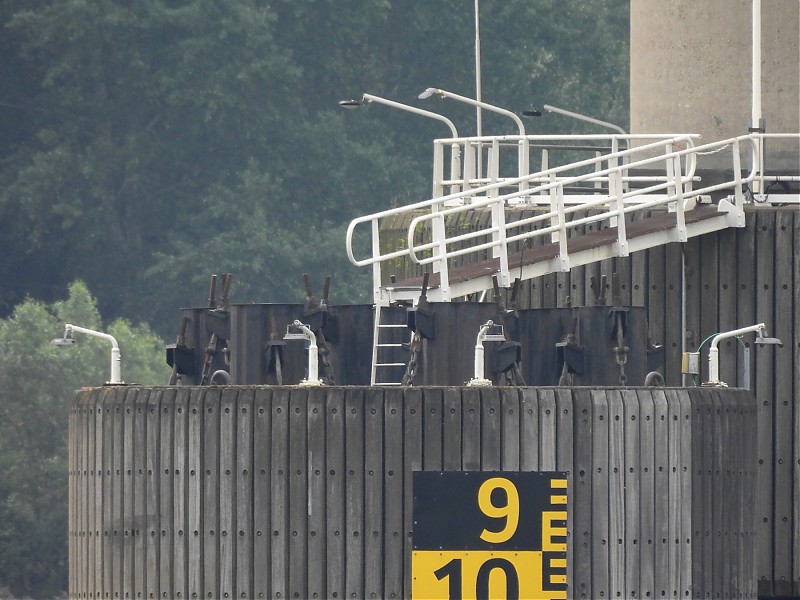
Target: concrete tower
[691, 70]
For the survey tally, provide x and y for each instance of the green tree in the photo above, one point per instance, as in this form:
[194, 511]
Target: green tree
[37, 381]
[148, 144]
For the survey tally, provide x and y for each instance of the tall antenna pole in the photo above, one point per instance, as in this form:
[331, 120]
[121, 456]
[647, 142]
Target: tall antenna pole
[478, 120]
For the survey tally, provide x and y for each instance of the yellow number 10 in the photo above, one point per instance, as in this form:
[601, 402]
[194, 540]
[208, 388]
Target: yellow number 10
[508, 511]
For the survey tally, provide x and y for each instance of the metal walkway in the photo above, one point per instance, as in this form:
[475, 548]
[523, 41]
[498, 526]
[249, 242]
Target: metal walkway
[616, 202]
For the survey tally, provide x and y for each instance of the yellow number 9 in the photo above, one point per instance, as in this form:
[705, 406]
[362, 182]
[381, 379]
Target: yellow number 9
[508, 511]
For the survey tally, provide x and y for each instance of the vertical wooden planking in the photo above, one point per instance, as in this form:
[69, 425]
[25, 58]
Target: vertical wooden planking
[88, 505]
[152, 494]
[180, 516]
[565, 461]
[720, 548]
[708, 301]
[373, 494]
[108, 492]
[728, 296]
[699, 481]
[764, 392]
[471, 429]
[663, 576]
[228, 498]
[298, 493]
[138, 524]
[334, 463]
[452, 409]
[647, 502]
[795, 350]
[128, 527]
[210, 480]
[82, 449]
[708, 495]
[632, 492]
[412, 461]
[529, 429]
[167, 497]
[600, 495]
[693, 275]
[279, 495]
[100, 425]
[654, 284]
[393, 490]
[581, 525]
[616, 494]
[677, 502]
[354, 492]
[490, 429]
[245, 494]
[194, 497]
[433, 424]
[547, 430]
[510, 428]
[673, 261]
[72, 495]
[782, 420]
[685, 466]
[317, 494]
[262, 492]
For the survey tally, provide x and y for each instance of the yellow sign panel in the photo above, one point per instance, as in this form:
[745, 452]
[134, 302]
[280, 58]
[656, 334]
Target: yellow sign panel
[484, 574]
[489, 535]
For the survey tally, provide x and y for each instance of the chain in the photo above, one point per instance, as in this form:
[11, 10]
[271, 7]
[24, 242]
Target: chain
[718, 150]
[411, 368]
[324, 351]
[621, 350]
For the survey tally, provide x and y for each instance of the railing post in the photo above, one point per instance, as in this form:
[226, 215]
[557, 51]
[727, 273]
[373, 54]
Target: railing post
[440, 238]
[493, 168]
[376, 266]
[563, 250]
[677, 174]
[469, 166]
[617, 191]
[499, 237]
[737, 175]
[438, 169]
[455, 167]
[524, 162]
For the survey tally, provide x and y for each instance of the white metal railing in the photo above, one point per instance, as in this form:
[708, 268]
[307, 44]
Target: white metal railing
[670, 166]
[471, 156]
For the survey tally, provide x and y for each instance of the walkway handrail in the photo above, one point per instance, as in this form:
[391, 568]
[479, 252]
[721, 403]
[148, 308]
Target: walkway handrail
[558, 215]
[436, 203]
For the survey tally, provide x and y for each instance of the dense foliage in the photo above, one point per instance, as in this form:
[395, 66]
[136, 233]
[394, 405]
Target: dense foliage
[37, 381]
[145, 145]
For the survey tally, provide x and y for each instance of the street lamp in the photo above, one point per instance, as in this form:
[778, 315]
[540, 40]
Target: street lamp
[502, 111]
[713, 351]
[580, 117]
[116, 359]
[369, 98]
[455, 154]
[523, 143]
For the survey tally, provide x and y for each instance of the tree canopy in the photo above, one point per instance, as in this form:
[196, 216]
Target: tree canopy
[149, 144]
[37, 381]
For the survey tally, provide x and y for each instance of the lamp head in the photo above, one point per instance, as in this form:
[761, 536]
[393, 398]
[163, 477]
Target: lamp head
[350, 103]
[65, 341]
[763, 340]
[428, 93]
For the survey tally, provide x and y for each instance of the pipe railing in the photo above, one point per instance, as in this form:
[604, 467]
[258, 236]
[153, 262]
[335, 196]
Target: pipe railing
[557, 216]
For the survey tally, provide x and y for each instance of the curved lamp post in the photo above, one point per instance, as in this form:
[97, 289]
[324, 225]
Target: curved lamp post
[523, 143]
[306, 334]
[455, 155]
[116, 359]
[713, 351]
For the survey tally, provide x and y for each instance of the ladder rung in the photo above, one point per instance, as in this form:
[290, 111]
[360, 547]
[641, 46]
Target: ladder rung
[395, 364]
[390, 345]
[390, 326]
[387, 383]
